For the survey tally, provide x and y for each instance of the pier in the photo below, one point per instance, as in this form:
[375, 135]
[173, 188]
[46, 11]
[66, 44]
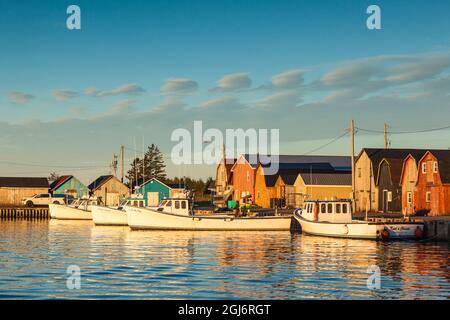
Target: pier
[24, 213]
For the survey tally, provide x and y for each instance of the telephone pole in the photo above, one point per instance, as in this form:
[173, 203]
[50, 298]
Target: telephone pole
[122, 159]
[386, 142]
[114, 164]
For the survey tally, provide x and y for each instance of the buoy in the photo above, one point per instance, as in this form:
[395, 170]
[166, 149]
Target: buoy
[419, 232]
[385, 234]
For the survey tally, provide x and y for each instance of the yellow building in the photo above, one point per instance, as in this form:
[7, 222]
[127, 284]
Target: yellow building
[319, 186]
[109, 189]
[265, 190]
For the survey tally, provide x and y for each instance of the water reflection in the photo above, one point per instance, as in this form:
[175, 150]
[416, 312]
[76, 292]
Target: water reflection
[118, 263]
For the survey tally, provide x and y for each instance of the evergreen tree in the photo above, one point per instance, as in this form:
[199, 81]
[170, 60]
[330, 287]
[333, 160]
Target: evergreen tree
[154, 164]
[135, 172]
[53, 177]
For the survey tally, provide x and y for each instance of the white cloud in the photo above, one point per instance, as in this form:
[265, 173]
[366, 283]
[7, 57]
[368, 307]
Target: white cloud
[128, 89]
[233, 82]
[288, 79]
[179, 86]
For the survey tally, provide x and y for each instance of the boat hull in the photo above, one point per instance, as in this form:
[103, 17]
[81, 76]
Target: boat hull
[148, 219]
[63, 212]
[104, 216]
[359, 230]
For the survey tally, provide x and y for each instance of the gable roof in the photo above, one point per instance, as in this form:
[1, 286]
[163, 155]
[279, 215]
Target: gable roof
[100, 181]
[181, 185]
[395, 170]
[376, 155]
[58, 182]
[337, 163]
[327, 179]
[23, 182]
[443, 159]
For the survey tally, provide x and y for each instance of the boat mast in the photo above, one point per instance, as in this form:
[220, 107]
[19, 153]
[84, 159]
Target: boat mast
[352, 145]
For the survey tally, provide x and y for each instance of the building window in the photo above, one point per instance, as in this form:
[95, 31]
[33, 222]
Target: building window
[428, 196]
[223, 175]
[435, 167]
[248, 176]
[259, 194]
[409, 197]
[359, 173]
[424, 167]
[389, 196]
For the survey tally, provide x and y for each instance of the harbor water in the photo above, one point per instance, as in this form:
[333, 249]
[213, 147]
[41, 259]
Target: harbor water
[116, 263]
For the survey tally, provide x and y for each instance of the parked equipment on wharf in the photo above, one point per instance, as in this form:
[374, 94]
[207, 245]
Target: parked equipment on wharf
[79, 209]
[177, 214]
[116, 216]
[334, 219]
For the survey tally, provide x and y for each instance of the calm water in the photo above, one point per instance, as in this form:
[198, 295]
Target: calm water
[118, 263]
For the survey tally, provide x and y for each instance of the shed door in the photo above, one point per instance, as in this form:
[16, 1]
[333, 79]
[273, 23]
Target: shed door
[153, 199]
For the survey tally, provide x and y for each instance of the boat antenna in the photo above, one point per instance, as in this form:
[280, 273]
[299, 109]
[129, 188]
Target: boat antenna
[135, 164]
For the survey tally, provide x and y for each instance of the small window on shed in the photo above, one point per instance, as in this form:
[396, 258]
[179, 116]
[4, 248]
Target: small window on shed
[428, 196]
[424, 167]
[435, 167]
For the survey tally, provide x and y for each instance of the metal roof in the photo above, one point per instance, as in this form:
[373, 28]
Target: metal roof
[327, 179]
[23, 182]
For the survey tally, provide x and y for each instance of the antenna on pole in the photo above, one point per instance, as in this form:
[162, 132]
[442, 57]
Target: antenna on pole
[122, 159]
[352, 147]
[386, 141]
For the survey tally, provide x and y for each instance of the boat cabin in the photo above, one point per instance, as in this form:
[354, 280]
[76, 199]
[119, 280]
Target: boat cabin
[335, 211]
[176, 206]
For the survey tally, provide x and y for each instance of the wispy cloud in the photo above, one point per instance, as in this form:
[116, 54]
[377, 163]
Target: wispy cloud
[179, 86]
[233, 82]
[18, 97]
[127, 89]
[63, 95]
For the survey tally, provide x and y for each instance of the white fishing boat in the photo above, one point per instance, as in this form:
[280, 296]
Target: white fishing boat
[177, 214]
[334, 219]
[115, 216]
[79, 209]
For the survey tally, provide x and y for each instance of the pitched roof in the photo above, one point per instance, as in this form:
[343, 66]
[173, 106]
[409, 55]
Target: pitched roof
[443, 159]
[376, 155]
[97, 183]
[289, 178]
[327, 179]
[395, 168]
[58, 182]
[337, 162]
[23, 182]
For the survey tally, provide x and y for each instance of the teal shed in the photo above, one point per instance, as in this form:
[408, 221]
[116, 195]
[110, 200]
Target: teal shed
[154, 191]
[68, 185]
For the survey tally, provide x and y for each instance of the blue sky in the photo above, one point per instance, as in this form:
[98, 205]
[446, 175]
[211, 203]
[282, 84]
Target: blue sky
[143, 68]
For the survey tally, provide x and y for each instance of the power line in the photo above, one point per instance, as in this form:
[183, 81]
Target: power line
[49, 166]
[326, 144]
[404, 132]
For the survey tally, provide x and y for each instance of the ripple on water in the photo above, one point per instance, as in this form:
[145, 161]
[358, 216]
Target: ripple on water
[117, 263]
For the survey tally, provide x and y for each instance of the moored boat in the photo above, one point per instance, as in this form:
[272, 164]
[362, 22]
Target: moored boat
[177, 214]
[334, 219]
[79, 209]
[115, 216]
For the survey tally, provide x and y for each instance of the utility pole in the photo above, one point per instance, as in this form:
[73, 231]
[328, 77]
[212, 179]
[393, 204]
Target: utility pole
[114, 165]
[352, 146]
[122, 159]
[386, 142]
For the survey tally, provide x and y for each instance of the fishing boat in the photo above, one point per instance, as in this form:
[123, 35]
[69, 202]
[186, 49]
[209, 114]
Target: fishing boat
[79, 209]
[178, 214]
[116, 216]
[334, 219]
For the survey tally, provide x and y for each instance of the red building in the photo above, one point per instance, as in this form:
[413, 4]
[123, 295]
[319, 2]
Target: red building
[243, 176]
[433, 183]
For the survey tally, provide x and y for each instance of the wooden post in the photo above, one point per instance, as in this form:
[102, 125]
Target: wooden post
[386, 143]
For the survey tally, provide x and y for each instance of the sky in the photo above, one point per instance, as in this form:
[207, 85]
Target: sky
[137, 70]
